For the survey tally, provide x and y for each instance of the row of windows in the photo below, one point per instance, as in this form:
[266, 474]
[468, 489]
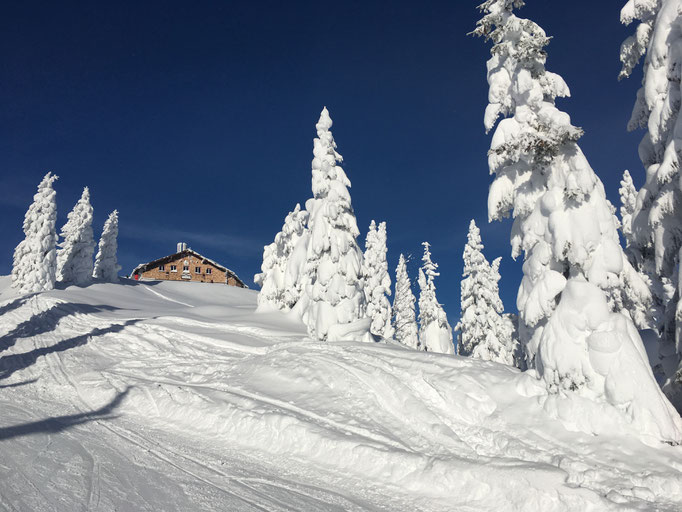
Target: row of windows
[185, 268]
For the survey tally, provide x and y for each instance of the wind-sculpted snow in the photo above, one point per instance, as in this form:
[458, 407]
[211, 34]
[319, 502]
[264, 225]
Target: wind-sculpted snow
[179, 396]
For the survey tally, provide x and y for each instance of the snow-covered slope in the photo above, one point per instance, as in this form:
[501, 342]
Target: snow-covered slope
[178, 396]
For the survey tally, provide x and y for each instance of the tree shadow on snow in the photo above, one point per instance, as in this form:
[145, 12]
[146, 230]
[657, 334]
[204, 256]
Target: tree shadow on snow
[15, 304]
[17, 384]
[15, 362]
[60, 423]
[46, 321]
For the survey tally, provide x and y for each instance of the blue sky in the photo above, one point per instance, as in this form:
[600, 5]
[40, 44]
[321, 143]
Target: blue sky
[195, 119]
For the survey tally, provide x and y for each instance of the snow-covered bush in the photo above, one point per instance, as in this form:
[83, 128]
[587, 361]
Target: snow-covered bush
[573, 263]
[74, 256]
[656, 225]
[485, 333]
[35, 262]
[106, 264]
[435, 333]
[405, 321]
[333, 302]
[280, 277]
[377, 282]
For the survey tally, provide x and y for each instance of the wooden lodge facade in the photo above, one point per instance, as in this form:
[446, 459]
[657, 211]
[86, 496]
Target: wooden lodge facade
[187, 265]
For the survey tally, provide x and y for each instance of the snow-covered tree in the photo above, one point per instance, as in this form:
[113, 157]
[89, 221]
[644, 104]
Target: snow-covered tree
[280, 277]
[333, 302]
[628, 198]
[656, 226]
[106, 264]
[485, 333]
[638, 297]
[405, 321]
[35, 261]
[74, 256]
[435, 333]
[377, 282]
[573, 262]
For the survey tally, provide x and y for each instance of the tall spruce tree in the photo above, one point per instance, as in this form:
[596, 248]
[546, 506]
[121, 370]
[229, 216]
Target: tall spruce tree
[333, 302]
[74, 256]
[574, 265]
[106, 265]
[405, 321]
[656, 225]
[435, 333]
[35, 262]
[377, 282]
[485, 333]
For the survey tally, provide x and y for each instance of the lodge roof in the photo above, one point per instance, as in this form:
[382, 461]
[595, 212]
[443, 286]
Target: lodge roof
[143, 267]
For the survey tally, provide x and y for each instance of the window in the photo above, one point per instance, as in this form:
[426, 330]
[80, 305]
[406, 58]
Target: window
[208, 270]
[162, 267]
[197, 270]
[173, 268]
[185, 268]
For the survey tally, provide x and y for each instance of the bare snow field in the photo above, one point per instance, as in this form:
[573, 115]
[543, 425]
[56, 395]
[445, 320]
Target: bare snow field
[179, 397]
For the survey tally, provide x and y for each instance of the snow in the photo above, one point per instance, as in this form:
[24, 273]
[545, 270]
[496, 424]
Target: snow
[179, 396]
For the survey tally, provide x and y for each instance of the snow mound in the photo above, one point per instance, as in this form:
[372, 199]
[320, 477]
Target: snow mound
[179, 396]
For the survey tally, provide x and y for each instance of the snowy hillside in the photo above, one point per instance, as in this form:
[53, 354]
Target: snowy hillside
[178, 396]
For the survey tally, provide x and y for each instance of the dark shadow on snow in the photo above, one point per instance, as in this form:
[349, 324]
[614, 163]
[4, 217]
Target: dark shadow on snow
[61, 423]
[46, 321]
[17, 384]
[16, 303]
[13, 363]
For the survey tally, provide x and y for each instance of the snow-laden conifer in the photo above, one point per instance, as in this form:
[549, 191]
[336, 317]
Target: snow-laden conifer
[280, 277]
[435, 333]
[638, 299]
[628, 198]
[35, 262]
[106, 264]
[74, 256]
[405, 321]
[484, 332]
[333, 301]
[573, 265]
[656, 225]
[377, 282]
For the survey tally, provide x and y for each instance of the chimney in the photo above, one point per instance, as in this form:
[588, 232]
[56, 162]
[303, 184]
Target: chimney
[184, 246]
[180, 249]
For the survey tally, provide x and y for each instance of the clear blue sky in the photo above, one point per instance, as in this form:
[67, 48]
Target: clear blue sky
[195, 119]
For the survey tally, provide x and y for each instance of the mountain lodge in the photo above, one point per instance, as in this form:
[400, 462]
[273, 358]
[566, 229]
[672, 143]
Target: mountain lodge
[187, 265]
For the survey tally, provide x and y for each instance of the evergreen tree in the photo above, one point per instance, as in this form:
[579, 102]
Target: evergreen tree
[656, 225]
[106, 265]
[280, 272]
[377, 282]
[628, 199]
[333, 301]
[74, 256]
[485, 333]
[573, 272]
[35, 266]
[642, 305]
[405, 322]
[435, 333]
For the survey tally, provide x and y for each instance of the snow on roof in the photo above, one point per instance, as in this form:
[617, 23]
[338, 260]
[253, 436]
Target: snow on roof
[143, 267]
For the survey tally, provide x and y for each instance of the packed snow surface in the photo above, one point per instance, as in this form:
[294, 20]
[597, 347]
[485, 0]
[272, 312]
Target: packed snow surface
[179, 396]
